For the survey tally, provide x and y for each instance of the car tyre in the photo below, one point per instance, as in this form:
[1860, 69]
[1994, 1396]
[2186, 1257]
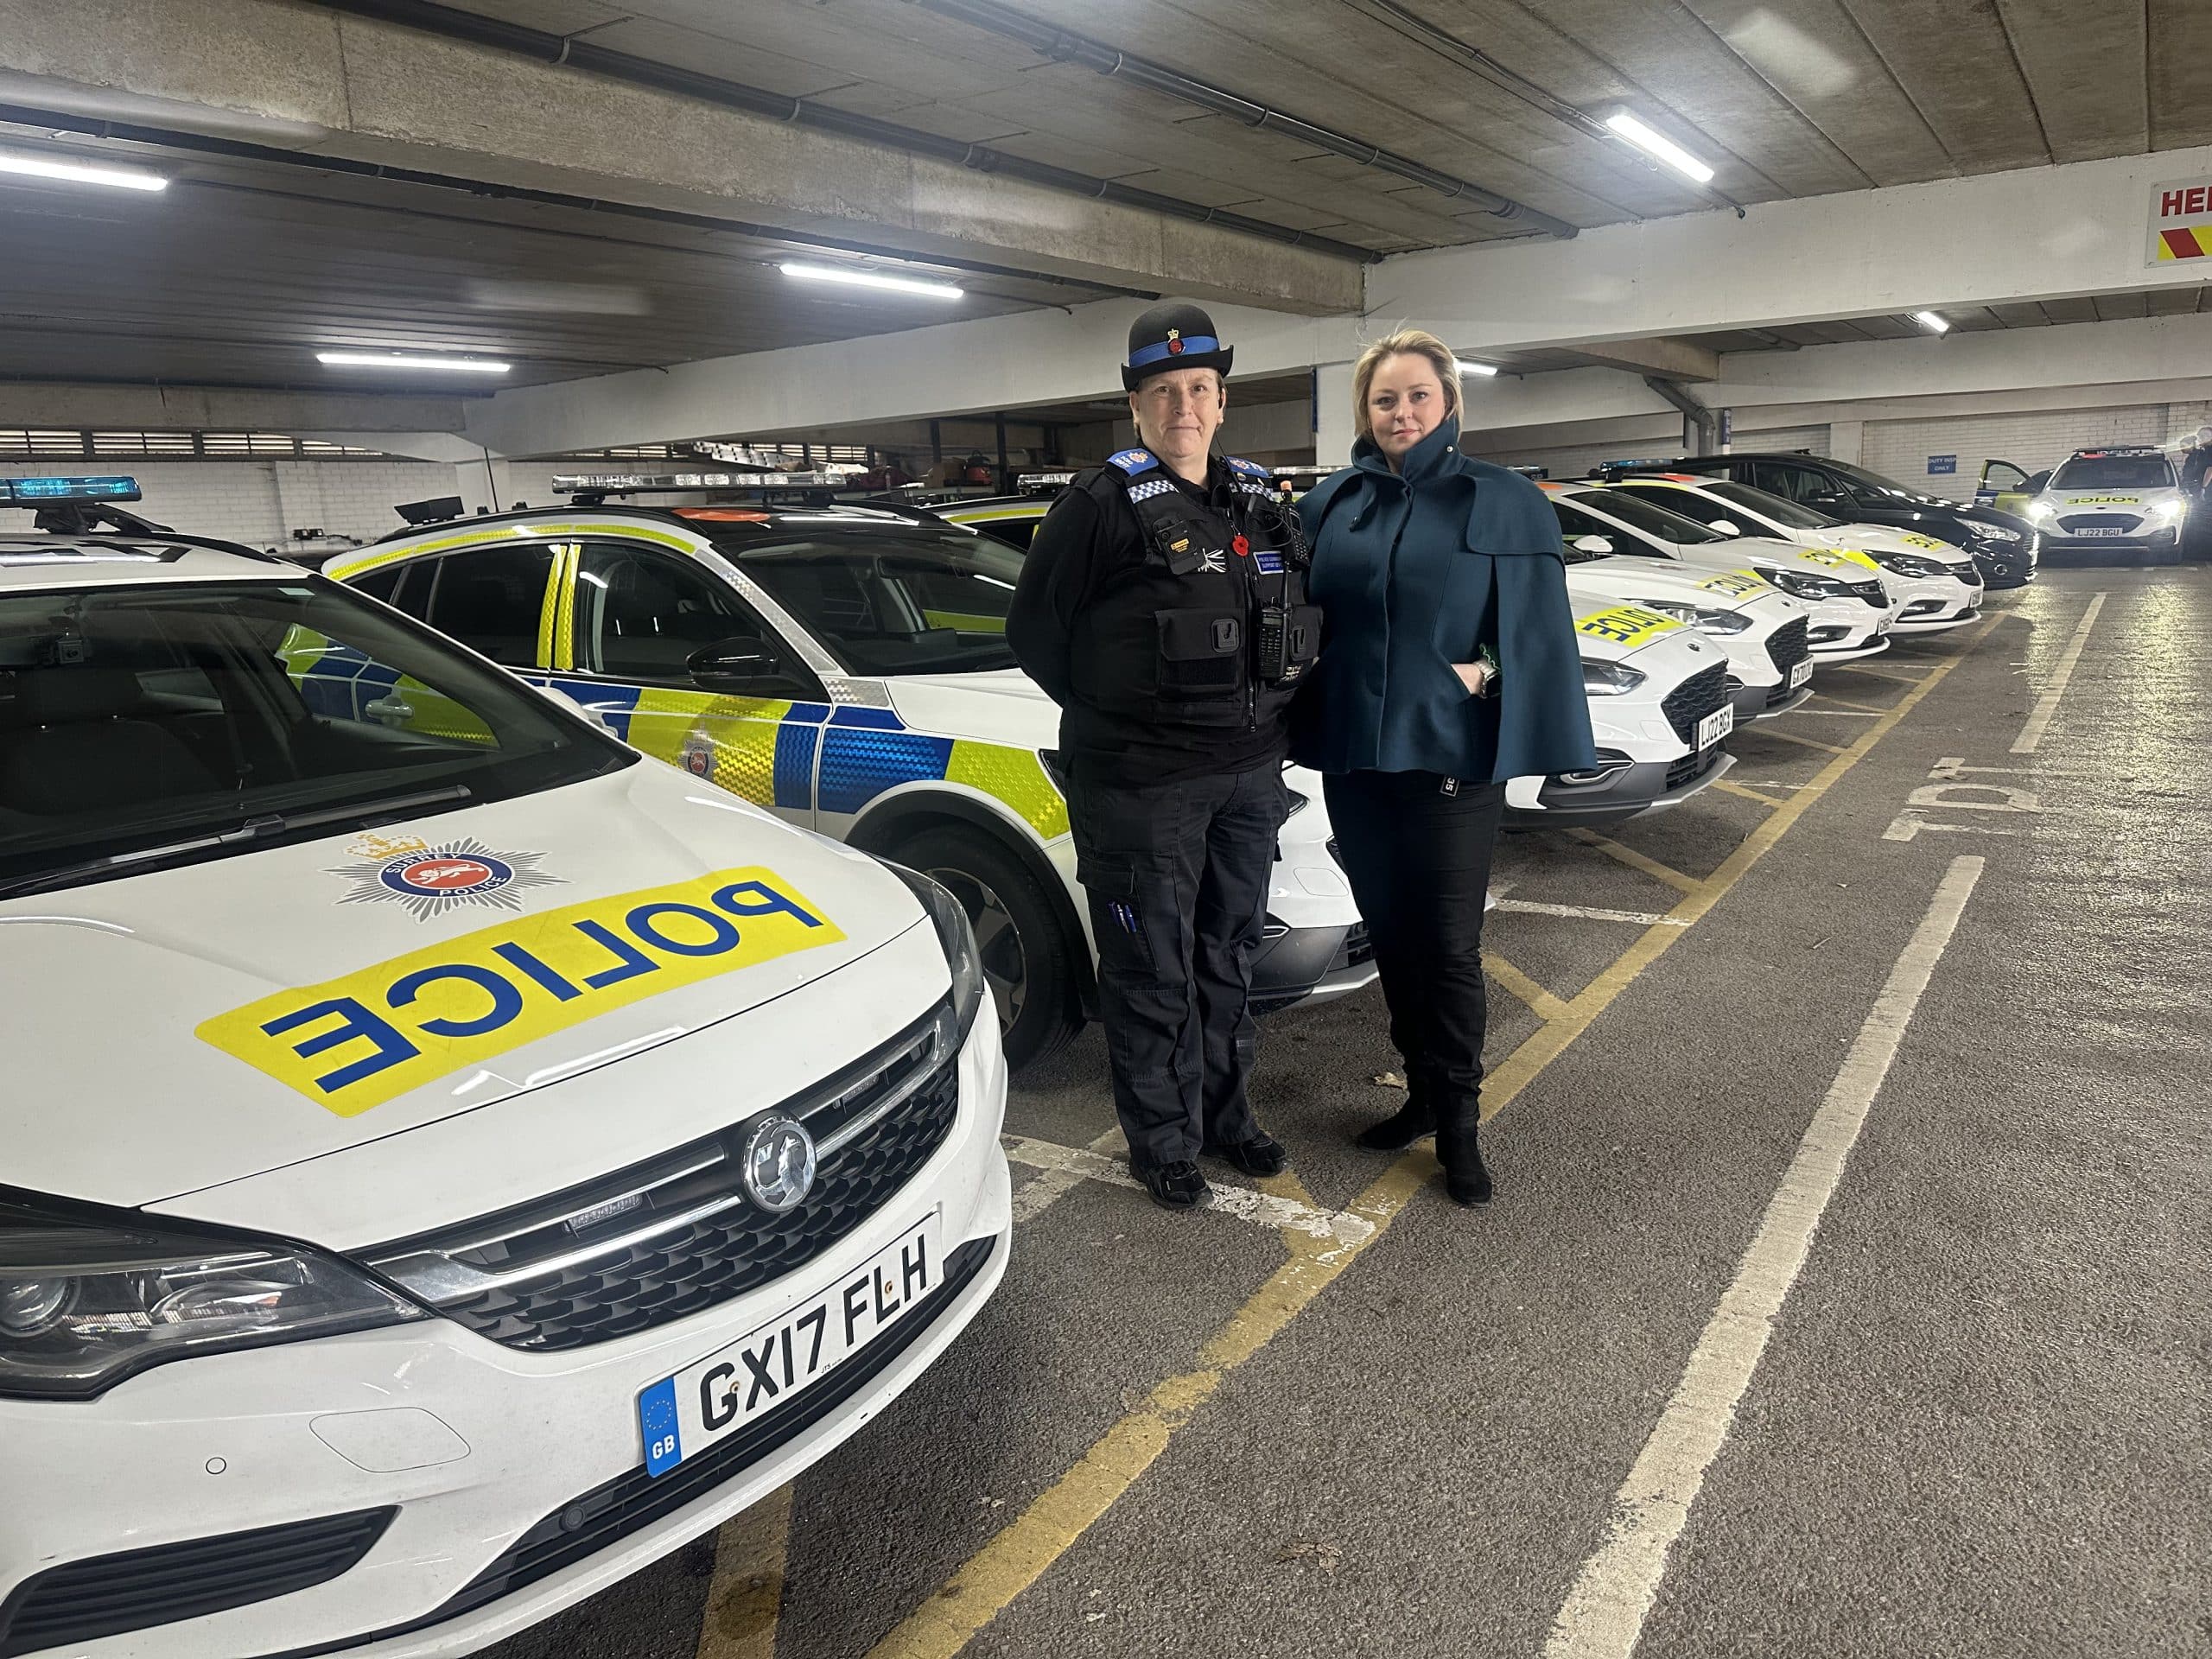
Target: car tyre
[1029, 958]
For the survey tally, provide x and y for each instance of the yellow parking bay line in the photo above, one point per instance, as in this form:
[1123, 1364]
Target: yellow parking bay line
[1020, 1554]
[1635, 860]
[745, 1598]
[1806, 742]
[1864, 707]
[1541, 1002]
[1746, 791]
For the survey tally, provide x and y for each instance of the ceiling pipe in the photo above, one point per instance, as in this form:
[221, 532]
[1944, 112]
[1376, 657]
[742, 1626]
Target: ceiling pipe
[1059, 44]
[575, 53]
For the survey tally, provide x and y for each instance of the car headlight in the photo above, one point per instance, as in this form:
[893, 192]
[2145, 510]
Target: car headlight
[1993, 532]
[2038, 513]
[2168, 512]
[88, 1296]
[1703, 618]
[1609, 679]
[1802, 584]
[957, 937]
[1909, 564]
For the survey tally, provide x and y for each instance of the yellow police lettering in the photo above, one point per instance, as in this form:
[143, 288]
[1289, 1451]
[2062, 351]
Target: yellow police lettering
[377, 1032]
[1626, 625]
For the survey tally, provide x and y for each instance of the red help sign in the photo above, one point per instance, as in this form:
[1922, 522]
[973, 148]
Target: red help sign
[2181, 220]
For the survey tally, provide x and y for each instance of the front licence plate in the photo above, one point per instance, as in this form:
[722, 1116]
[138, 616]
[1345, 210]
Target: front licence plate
[680, 1416]
[1715, 726]
[2106, 530]
[1799, 673]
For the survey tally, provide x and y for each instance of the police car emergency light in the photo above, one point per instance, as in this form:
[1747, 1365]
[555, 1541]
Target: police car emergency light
[35, 492]
[1042, 483]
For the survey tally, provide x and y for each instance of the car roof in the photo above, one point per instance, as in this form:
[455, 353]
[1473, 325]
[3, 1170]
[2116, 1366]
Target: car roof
[37, 559]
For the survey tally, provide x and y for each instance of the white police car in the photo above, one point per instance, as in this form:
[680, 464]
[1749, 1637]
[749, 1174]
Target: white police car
[1937, 585]
[846, 668]
[1762, 630]
[1851, 609]
[451, 1158]
[1660, 704]
[2120, 500]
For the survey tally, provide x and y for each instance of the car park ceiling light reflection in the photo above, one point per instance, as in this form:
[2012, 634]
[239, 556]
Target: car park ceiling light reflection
[1467, 368]
[807, 273]
[1933, 323]
[1652, 142]
[70, 172]
[411, 360]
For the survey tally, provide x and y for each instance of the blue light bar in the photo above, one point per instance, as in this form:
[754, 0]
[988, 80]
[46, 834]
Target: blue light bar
[68, 489]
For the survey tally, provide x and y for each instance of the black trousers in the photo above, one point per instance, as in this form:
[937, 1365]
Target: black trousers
[1419, 862]
[1177, 878]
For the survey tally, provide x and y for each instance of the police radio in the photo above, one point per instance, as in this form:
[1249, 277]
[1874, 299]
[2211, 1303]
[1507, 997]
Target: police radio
[1282, 644]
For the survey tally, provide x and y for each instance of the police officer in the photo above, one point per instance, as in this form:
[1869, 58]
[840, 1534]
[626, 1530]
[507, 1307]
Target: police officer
[1163, 607]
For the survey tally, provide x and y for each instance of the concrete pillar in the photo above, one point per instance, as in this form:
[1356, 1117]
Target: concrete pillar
[1332, 415]
[1845, 439]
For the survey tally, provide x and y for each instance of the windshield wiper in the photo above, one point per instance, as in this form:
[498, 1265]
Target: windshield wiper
[259, 828]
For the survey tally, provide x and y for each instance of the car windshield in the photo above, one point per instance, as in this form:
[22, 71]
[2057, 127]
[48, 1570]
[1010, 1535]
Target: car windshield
[156, 723]
[2114, 472]
[1787, 513]
[1637, 513]
[1874, 489]
[905, 601]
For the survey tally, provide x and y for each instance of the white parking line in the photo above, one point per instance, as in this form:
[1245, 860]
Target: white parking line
[1262, 1209]
[1585, 912]
[1604, 1612]
[2047, 705]
[1034, 1197]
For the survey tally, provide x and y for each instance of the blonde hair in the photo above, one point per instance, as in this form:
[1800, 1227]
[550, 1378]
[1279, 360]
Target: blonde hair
[1405, 341]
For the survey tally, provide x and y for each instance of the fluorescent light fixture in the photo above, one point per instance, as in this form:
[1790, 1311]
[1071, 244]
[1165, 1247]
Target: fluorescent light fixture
[1466, 368]
[410, 361]
[1657, 143]
[1931, 322]
[68, 172]
[871, 279]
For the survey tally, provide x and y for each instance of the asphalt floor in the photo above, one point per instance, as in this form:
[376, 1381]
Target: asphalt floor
[1970, 1420]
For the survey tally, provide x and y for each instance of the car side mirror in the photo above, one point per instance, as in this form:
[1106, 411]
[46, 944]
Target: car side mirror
[1727, 526]
[1594, 545]
[733, 659]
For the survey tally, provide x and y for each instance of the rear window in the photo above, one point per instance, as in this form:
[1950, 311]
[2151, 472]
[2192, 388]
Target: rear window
[893, 602]
[2114, 473]
[161, 723]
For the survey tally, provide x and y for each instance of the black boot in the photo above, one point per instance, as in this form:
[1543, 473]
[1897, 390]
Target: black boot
[1466, 1181]
[1401, 1129]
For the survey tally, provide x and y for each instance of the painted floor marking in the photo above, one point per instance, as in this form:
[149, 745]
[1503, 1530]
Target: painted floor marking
[1634, 861]
[1019, 1553]
[1261, 1209]
[1806, 742]
[745, 1598]
[1586, 914]
[1033, 1198]
[1605, 1612]
[1898, 675]
[1830, 696]
[1745, 791]
[2047, 705]
[1540, 1002]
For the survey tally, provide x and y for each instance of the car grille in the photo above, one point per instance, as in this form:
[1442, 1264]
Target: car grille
[1358, 947]
[1693, 699]
[1786, 646]
[2081, 521]
[673, 1236]
[83, 1601]
[1691, 766]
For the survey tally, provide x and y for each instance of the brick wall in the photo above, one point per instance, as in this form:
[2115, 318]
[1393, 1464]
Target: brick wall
[1900, 449]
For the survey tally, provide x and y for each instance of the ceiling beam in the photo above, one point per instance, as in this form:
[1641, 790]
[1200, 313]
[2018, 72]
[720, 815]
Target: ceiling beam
[1664, 358]
[2040, 233]
[292, 75]
[362, 416]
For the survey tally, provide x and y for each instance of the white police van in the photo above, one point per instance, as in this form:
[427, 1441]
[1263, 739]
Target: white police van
[452, 1160]
[845, 667]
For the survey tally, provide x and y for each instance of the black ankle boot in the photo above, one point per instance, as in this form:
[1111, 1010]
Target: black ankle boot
[1459, 1148]
[1399, 1130]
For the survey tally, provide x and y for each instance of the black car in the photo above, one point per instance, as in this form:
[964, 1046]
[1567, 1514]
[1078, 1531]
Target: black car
[2005, 547]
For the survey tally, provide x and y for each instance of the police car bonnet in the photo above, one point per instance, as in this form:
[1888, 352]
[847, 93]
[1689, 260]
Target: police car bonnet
[1173, 337]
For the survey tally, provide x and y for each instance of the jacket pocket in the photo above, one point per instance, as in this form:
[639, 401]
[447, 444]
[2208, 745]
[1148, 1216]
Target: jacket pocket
[1201, 654]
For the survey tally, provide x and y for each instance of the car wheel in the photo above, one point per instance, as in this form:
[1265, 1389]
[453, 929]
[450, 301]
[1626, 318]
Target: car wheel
[1029, 958]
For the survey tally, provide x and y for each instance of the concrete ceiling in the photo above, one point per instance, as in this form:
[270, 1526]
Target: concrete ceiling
[241, 271]
[1786, 97]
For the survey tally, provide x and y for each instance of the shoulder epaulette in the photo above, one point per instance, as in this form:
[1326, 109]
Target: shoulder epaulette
[1133, 462]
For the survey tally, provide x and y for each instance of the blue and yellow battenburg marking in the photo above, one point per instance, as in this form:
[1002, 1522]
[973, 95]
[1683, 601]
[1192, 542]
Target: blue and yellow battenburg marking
[1736, 584]
[1626, 625]
[1836, 557]
[360, 1039]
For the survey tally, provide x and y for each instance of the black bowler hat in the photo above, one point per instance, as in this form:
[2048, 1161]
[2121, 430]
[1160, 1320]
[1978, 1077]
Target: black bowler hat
[1173, 337]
